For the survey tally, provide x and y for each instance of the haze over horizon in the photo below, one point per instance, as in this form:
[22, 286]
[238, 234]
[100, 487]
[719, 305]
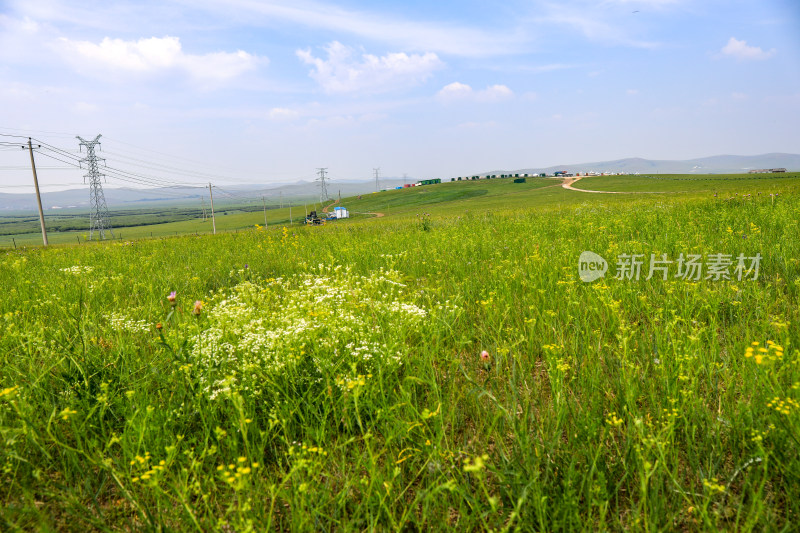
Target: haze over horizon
[261, 92]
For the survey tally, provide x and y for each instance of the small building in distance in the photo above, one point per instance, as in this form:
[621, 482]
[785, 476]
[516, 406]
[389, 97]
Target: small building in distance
[766, 170]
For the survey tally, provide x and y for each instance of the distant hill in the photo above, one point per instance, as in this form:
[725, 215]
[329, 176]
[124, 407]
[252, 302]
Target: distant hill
[306, 191]
[718, 164]
[127, 198]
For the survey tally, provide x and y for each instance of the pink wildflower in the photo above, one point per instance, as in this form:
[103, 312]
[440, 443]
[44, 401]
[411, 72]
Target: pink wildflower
[485, 356]
[198, 306]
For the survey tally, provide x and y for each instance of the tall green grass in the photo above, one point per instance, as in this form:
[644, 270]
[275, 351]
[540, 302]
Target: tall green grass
[331, 377]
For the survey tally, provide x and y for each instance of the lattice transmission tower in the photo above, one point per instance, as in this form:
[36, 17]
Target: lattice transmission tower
[323, 192]
[97, 200]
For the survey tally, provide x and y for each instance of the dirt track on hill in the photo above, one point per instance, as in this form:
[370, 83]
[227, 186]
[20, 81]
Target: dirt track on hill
[567, 184]
[333, 203]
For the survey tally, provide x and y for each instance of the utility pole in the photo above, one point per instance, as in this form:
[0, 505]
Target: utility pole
[377, 172]
[264, 201]
[405, 179]
[38, 196]
[323, 192]
[99, 214]
[213, 218]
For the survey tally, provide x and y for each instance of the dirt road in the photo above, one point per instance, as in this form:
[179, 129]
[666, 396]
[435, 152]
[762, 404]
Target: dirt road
[333, 203]
[567, 184]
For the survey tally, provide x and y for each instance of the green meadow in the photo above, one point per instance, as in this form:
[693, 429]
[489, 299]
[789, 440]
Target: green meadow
[439, 367]
[683, 183]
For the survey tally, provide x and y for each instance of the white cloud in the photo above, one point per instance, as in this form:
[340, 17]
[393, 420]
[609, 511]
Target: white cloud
[495, 93]
[20, 39]
[23, 25]
[594, 22]
[740, 50]
[415, 35]
[411, 33]
[457, 91]
[282, 113]
[157, 54]
[343, 72]
[632, 91]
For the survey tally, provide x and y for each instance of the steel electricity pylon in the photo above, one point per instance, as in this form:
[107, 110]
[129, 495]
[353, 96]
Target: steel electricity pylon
[97, 200]
[323, 187]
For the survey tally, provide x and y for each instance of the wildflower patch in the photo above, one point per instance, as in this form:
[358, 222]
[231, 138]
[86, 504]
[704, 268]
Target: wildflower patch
[325, 324]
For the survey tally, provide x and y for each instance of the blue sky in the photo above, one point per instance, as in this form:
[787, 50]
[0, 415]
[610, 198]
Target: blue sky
[261, 91]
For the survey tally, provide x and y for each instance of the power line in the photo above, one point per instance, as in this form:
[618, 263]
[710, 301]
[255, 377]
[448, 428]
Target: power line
[123, 177]
[42, 186]
[73, 164]
[118, 171]
[172, 156]
[10, 135]
[20, 167]
[204, 165]
[149, 180]
[154, 166]
[61, 133]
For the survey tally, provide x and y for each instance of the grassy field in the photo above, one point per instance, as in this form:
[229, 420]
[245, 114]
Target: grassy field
[25, 231]
[138, 224]
[442, 367]
[710, 184]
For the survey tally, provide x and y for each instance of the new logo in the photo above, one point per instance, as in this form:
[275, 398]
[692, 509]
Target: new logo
[591, 266]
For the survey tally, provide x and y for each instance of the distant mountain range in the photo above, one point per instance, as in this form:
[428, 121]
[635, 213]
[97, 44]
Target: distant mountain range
[128, 198]
[304, 191]
[717, 164]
